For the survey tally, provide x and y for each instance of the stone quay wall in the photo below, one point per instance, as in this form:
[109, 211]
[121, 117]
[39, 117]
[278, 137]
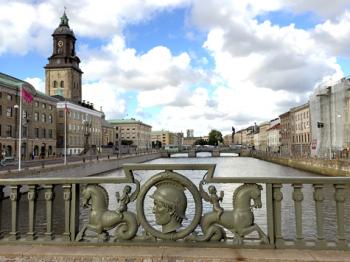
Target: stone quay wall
[80, 169]
[328, 167]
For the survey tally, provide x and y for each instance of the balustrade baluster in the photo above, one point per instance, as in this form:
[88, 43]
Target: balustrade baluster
[31, 235]
[1, 211]
[48, 198]
[14, 196]
[319, 198]
[340, 199]
[74, 222]
[298, 198]
[67, 197]
[277, 197]
[269, 213]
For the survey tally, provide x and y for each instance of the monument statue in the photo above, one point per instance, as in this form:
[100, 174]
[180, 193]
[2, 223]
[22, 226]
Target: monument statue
[233, 134]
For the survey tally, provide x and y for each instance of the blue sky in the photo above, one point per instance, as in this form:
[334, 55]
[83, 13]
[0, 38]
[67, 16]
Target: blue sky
[181, 64]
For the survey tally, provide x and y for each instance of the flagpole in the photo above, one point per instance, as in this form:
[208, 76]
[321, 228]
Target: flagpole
[65, 133]
[20, 130]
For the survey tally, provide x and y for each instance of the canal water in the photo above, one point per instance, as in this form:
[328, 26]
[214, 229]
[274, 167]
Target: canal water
[225, 167]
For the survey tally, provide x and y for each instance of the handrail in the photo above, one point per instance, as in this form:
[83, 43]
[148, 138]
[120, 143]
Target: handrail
[166, 191]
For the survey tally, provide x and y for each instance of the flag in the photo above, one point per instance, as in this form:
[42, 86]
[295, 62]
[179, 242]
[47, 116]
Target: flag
[26, 95]
[66, 109]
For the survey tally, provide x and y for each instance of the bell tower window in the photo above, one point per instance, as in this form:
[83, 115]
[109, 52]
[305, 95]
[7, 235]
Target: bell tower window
[55, 84]
[62, 84]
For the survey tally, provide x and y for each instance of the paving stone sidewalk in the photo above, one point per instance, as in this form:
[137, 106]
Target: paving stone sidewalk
[162, 254]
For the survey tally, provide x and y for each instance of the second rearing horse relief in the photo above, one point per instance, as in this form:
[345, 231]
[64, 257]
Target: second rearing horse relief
[240, 220]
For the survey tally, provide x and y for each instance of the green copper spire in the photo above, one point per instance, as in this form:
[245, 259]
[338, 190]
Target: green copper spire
[64, 19]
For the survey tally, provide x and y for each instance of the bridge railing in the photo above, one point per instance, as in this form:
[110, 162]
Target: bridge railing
[173, 208]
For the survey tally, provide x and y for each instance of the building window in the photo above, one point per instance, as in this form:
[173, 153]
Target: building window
[9, 111]
[24, 131]
[36, 132]
[50, 119]
[62, 84]
[36, 116]
[50, 133]
[9, 97]
[44, 133]
[0, 110]
[61, 114]
[25, 114]
[43, 105]
[36, 104]
[55, 84]
[50, 107]
[9, 131]
[43, 118]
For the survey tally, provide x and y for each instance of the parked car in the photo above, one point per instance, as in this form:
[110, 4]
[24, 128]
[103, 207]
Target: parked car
[7, 160]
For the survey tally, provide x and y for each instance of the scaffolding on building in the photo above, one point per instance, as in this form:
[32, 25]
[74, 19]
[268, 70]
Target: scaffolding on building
[329, 119]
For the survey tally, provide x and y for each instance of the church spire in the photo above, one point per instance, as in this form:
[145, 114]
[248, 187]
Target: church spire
[64, 19]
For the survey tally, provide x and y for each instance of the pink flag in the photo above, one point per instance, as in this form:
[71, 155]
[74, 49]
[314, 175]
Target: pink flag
[27, 96]
[66, 109]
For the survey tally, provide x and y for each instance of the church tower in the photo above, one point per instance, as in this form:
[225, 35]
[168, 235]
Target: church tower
[62, 73]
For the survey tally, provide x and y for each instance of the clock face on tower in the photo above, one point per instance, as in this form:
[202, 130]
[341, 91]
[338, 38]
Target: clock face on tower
[60, 43]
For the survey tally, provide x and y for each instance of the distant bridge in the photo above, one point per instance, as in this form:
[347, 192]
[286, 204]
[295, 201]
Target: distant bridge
[215, 151]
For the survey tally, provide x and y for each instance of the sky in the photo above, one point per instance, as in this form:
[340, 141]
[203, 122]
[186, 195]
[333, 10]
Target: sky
[186, 64]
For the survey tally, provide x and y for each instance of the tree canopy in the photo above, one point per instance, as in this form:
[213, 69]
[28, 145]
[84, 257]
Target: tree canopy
[215, 137]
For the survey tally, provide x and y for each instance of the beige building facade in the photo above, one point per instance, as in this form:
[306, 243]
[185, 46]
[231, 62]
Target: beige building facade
[133, 130]
[286, 133]
[166, 138]
[38, 121]
[300, 125]
[83, 128]
[108, 132]
[273, 136]
[263, 127]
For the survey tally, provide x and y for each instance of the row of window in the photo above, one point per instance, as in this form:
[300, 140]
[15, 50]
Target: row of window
[303, 115]
[9, 132]
[76, 115]
[36, 103]
[81, 127]
[302, 138]
[302, 125]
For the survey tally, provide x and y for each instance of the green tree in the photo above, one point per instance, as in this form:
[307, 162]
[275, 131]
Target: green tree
[215, 137]
[201, 142]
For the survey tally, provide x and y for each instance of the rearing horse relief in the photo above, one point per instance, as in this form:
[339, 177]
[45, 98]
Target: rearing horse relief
[101, 219]
[239, 221]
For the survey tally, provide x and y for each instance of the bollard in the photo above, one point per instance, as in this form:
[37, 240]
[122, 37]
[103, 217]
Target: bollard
[97, 158]
[42, 164]
[108, 157]
[83, 159]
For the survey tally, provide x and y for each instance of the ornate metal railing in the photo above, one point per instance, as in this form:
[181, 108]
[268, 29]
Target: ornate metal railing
[168, 196]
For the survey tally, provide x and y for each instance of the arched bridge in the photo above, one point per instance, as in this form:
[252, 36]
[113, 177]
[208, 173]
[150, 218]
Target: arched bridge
[215, 151]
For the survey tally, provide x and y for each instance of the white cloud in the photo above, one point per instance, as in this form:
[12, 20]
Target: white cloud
[37, 82]
[334, 36]
[123, 67]
[324, 8]
[104, 95]
[27, 26]
[261, 69]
